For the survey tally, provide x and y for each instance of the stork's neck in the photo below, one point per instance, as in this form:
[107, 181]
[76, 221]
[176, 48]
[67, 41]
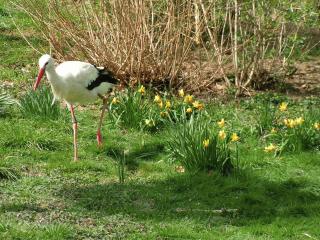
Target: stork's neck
[53, 77]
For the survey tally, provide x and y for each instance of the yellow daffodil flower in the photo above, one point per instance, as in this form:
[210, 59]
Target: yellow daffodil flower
[221, 123]
[317, 126]
[222, 134]
[142, 90]
[160, 104]
[181, 93]
[157, 99]
[188, 99]
[206, 143]
[149, 122]
[197, 105]
[299, 121]
[168, 104]
[163, 114]
[283, 106]
[180, 169]
[235, 137]
[290, 123]
[115, 100]
[270, 148]
[189, 110]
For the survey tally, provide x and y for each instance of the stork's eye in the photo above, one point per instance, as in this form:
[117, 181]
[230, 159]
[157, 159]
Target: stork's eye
[46, 63]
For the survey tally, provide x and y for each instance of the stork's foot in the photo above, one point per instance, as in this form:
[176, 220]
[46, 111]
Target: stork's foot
[99, 139]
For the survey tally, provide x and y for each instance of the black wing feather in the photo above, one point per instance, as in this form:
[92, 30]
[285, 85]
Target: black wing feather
[103, 76]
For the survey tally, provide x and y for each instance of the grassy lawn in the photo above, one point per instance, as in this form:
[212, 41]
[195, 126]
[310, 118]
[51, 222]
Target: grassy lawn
[55, 198]
[271, 197]
[276, 198]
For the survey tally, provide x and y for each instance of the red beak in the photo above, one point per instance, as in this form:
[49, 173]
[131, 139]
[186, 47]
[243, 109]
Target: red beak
[40, 75]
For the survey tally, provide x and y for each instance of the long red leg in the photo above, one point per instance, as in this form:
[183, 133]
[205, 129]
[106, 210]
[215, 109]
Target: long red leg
[99, 136]
[75, 132]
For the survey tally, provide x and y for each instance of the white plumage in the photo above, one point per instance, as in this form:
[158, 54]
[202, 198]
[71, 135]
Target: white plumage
[77, 83]
[69, 80]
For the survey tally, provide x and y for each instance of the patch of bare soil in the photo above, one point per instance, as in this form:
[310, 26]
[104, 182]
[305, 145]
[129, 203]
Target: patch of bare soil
[306, 80]
[205, 79]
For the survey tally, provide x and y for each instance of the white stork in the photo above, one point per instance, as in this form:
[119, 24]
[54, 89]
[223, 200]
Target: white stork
[77, 83]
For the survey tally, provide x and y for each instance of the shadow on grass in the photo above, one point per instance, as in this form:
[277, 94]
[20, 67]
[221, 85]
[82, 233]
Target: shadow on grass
[18, 207]
[18, 38]
[196, 197]
[148, 152]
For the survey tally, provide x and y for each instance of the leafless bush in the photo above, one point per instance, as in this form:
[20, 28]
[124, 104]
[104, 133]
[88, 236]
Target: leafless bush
[246, 35]
[152, 40]
[140, 40]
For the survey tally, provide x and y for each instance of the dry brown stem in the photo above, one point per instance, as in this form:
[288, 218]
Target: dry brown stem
[141, 41]
[150, 41]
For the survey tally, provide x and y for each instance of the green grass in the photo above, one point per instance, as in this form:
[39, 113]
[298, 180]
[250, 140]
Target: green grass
[5, 102]
[40, 103]
[275, 198]
[17, 60]
[50, 197]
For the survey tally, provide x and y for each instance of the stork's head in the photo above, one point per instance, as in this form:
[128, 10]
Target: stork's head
[45, 62]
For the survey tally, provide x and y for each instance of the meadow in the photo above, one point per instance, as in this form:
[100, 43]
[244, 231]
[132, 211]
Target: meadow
[173, 165]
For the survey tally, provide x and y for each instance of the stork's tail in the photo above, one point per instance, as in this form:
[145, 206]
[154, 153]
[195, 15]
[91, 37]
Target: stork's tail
[107, 76]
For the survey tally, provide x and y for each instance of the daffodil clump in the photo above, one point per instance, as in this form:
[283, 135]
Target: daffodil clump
[200, 144]
[162, 107]
[130, 108]
[222, 134]
[292, 133]
[281, 127]
[142, 110]
[190, 102]
[228, 138]
[177, 109]
[134, 108]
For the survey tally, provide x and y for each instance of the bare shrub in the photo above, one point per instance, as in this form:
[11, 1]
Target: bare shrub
[138, 40]
[245, 43]
[249, 36]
